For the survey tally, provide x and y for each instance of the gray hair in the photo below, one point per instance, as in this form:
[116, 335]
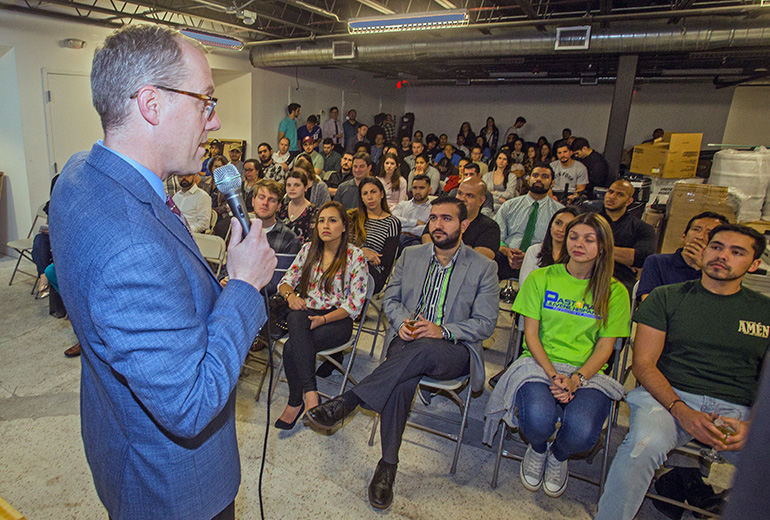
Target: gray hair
[130, 58]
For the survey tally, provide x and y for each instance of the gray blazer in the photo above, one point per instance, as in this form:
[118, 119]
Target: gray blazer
[472, 300]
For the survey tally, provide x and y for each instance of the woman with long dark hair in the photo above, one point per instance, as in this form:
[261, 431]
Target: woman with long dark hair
[546, 253]
[546, 155]
[296, 211]
[500, 181]
[325, 288]
[389, 173]
[467, 133]
[530, 160]
[573, 313]
[375, 230]
[490, 133]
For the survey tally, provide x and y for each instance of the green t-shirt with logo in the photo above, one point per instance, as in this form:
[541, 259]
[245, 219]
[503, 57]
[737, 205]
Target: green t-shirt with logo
[569, 329]
[714, 344]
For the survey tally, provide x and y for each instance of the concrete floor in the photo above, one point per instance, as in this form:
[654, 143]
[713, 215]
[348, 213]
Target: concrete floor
[44, 474]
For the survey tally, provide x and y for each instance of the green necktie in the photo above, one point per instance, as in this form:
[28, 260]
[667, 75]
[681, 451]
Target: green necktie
[526, 240]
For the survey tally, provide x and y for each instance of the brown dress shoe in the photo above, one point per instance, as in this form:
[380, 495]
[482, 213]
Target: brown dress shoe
[73, 351]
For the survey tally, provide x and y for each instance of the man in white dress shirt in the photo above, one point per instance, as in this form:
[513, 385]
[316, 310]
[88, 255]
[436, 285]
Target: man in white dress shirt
[194, 203]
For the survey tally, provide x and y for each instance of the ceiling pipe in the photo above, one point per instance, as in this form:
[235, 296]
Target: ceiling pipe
[744, 10]
[218, 7]
[614, 41]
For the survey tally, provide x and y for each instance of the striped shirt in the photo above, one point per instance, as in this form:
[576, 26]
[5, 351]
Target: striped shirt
[377, 233]
[432, 304]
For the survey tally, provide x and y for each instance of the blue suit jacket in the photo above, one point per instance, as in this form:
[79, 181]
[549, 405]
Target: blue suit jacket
[162, 345]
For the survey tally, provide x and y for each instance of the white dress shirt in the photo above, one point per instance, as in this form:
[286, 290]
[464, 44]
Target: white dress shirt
[195, 205]
[330, 128]
[409, 212]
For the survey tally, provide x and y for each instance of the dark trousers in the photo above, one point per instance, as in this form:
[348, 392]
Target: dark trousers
[41, 252]
[389, 390]
[303, 344]
[504, 271]
[227, 513]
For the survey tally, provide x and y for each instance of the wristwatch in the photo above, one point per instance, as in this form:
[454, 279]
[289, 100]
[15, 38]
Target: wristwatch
[287, 294]
[581, 377]
[445, 333]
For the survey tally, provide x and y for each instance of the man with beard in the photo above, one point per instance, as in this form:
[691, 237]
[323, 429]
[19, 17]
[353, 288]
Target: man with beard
[345, 174]
[698, 354]
[438, 334]
[413, 213]
[194, 203]
[270, 168]
[524, 220]
[569, 175]
[283, 157]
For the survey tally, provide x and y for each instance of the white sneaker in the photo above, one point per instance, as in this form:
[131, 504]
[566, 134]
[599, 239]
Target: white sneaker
[531, 469]
[556, 476]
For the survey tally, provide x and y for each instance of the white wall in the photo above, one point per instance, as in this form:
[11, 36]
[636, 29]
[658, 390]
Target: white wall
[317, 90]
[749, 114]
[233, 90]
[584, 109]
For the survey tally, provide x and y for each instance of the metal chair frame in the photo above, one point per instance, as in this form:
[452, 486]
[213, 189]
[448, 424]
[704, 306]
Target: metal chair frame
[207, 243]
[23, 246]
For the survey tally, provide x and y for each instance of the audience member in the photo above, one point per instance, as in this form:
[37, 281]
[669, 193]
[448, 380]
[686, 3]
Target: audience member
[417, 149]
[389, 127]
[490, 133]
[461, 147]
[288, 128]
[483, 233]
[325, 288]
[361, 147]
[449, 153]
[350, 129]
[517, 154]
[487, 203]
[486, 152]
[215, 148]
[547, 252]
[379, 145]
[566, 134]
[268, 195]
[570, 176]
[683, 264]
[316, 190]
[476, 157]
[283, 157]
[375, 230]
[194, 203]
[218, 201]
[422, 167]
[332, 129]
[452, 180]
[361, 136]
[515, 129]
[595, 163]
[406, 148]
[468, 136]
[524, 220]
[698, 355]
[310, 129]
[501, 182]
[573, 313]
[546, 156]
[530, 159]
[269, 167]
[332, 159]
[657, 134]
[41, 244]
[308, 150]
[347, 192]
[376, 128]
[235, 158]
[389, 174]
[296, 211]
[418, 136]
[634, 239]
[251, 175]
[432, 147]
[442, 340]
[413, 213]
[344, 174]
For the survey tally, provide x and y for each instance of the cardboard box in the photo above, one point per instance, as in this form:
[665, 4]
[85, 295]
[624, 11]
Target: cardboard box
[686, 201]
[675, 156]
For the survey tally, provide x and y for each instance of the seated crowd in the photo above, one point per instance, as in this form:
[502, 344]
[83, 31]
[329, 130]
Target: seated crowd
[437, 226]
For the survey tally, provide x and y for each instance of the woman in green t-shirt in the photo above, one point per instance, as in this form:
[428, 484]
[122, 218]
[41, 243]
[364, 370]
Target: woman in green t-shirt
[573, 313]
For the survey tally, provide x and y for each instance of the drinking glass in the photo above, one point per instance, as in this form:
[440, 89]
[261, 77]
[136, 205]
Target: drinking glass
[712, 455]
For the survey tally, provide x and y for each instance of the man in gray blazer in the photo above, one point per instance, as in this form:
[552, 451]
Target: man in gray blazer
[440, 309]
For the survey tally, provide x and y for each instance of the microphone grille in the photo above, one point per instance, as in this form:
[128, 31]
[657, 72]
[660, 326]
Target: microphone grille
[227, 178]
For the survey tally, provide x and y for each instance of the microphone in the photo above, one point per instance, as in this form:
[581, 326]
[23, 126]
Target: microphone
[228, 181]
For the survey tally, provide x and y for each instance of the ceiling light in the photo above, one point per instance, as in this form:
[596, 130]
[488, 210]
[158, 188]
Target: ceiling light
[214, 40]
[446, 4]
[409, 22]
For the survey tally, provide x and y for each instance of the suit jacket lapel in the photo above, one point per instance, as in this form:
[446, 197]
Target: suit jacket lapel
[459, 271]
[132, 181]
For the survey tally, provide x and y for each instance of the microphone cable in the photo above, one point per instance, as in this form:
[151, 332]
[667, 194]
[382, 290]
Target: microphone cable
[269, 369]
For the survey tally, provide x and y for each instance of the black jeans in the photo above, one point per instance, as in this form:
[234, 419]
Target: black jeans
[303, 344]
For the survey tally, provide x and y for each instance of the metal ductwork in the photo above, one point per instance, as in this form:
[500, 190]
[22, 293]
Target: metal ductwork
[668, 39]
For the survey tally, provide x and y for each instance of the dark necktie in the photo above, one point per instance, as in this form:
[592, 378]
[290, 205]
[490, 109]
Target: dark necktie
[336, 131]
[526, 240]
[175, 210]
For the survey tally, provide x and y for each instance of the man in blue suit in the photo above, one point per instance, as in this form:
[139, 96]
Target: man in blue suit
[162, 342]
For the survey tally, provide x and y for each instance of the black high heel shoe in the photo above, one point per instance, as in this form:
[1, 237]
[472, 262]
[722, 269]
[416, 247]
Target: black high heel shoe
[283, 425]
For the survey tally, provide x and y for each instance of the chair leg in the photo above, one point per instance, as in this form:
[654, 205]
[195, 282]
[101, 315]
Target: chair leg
[376, 331]
[501, 433]
[277, 375]
[15, 269]
[375, 422]
[466, 408]
[606, 457]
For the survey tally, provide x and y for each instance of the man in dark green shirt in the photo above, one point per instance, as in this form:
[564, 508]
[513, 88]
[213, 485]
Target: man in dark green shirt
[698, 355]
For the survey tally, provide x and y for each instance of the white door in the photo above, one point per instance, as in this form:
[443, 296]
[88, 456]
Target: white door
[73, 124]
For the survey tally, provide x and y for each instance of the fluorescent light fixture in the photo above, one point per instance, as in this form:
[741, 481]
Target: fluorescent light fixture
[377, 6]
[214, 40]
[446, 4]
[409, 22]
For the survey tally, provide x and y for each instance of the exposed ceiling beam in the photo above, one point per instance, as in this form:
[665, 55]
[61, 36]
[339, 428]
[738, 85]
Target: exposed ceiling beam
[222, 8]
[681, 5]
[60, 16]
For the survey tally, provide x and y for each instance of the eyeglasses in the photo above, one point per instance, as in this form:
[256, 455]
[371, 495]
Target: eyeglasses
[210, 102]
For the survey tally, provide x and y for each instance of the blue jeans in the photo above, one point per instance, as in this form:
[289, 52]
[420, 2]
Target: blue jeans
[581, 419]
[653, 432]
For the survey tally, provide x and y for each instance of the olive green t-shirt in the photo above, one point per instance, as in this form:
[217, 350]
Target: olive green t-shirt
[714, 344]
[569, 329]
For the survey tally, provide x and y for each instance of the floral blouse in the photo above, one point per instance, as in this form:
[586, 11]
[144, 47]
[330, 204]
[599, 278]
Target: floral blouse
[349, 294]
[302, 225]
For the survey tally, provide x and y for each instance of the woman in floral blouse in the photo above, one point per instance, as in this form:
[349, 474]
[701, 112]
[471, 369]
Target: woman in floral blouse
[325, 288]
[296, 211]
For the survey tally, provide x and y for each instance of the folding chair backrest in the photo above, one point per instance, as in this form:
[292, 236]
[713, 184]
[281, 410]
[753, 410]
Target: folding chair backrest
[212, 248]
[284, 262]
